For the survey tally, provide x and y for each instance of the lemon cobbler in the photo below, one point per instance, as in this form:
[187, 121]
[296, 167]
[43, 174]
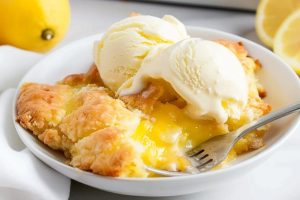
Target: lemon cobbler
[114, 126]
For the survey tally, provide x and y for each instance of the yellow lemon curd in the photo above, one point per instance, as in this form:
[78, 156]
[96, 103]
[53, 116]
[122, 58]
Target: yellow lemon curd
[168, 133]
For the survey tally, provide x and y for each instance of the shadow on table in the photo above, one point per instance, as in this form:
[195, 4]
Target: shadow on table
[80, 191]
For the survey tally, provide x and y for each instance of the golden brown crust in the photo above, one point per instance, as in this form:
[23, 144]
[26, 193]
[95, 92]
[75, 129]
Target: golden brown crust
[251, 141]
[156, 91]
[67, 118]
[97, 110]
[41, 106]
[144, 100]
[107, 151]
[91, 77]
[236, 47]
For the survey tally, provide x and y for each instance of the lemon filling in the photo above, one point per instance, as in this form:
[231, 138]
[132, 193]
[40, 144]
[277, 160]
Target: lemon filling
[169, 133]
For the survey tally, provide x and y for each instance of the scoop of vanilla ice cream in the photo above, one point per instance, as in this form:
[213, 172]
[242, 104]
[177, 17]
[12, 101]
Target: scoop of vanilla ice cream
[207, 75]
[126, 43]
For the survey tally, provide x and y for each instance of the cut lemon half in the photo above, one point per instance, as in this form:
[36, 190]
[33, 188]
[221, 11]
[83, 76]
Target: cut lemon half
[287, 41]
[270, 15]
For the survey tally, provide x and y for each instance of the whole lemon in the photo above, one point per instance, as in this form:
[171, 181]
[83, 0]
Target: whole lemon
[36, 25]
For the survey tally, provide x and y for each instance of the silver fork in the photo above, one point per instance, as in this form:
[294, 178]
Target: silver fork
[215, 150]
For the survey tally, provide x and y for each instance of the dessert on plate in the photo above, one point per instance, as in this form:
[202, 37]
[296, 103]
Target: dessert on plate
[152, 94]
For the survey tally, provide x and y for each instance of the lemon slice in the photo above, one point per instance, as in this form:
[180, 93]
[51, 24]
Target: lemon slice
[287, 40]
[270, 15]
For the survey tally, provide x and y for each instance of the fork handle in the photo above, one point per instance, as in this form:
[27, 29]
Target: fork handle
[267, 119]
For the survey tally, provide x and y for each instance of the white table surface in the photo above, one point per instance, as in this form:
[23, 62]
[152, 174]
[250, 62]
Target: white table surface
[276, 179]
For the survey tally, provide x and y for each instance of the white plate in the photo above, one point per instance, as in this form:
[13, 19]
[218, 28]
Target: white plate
[278, 79]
